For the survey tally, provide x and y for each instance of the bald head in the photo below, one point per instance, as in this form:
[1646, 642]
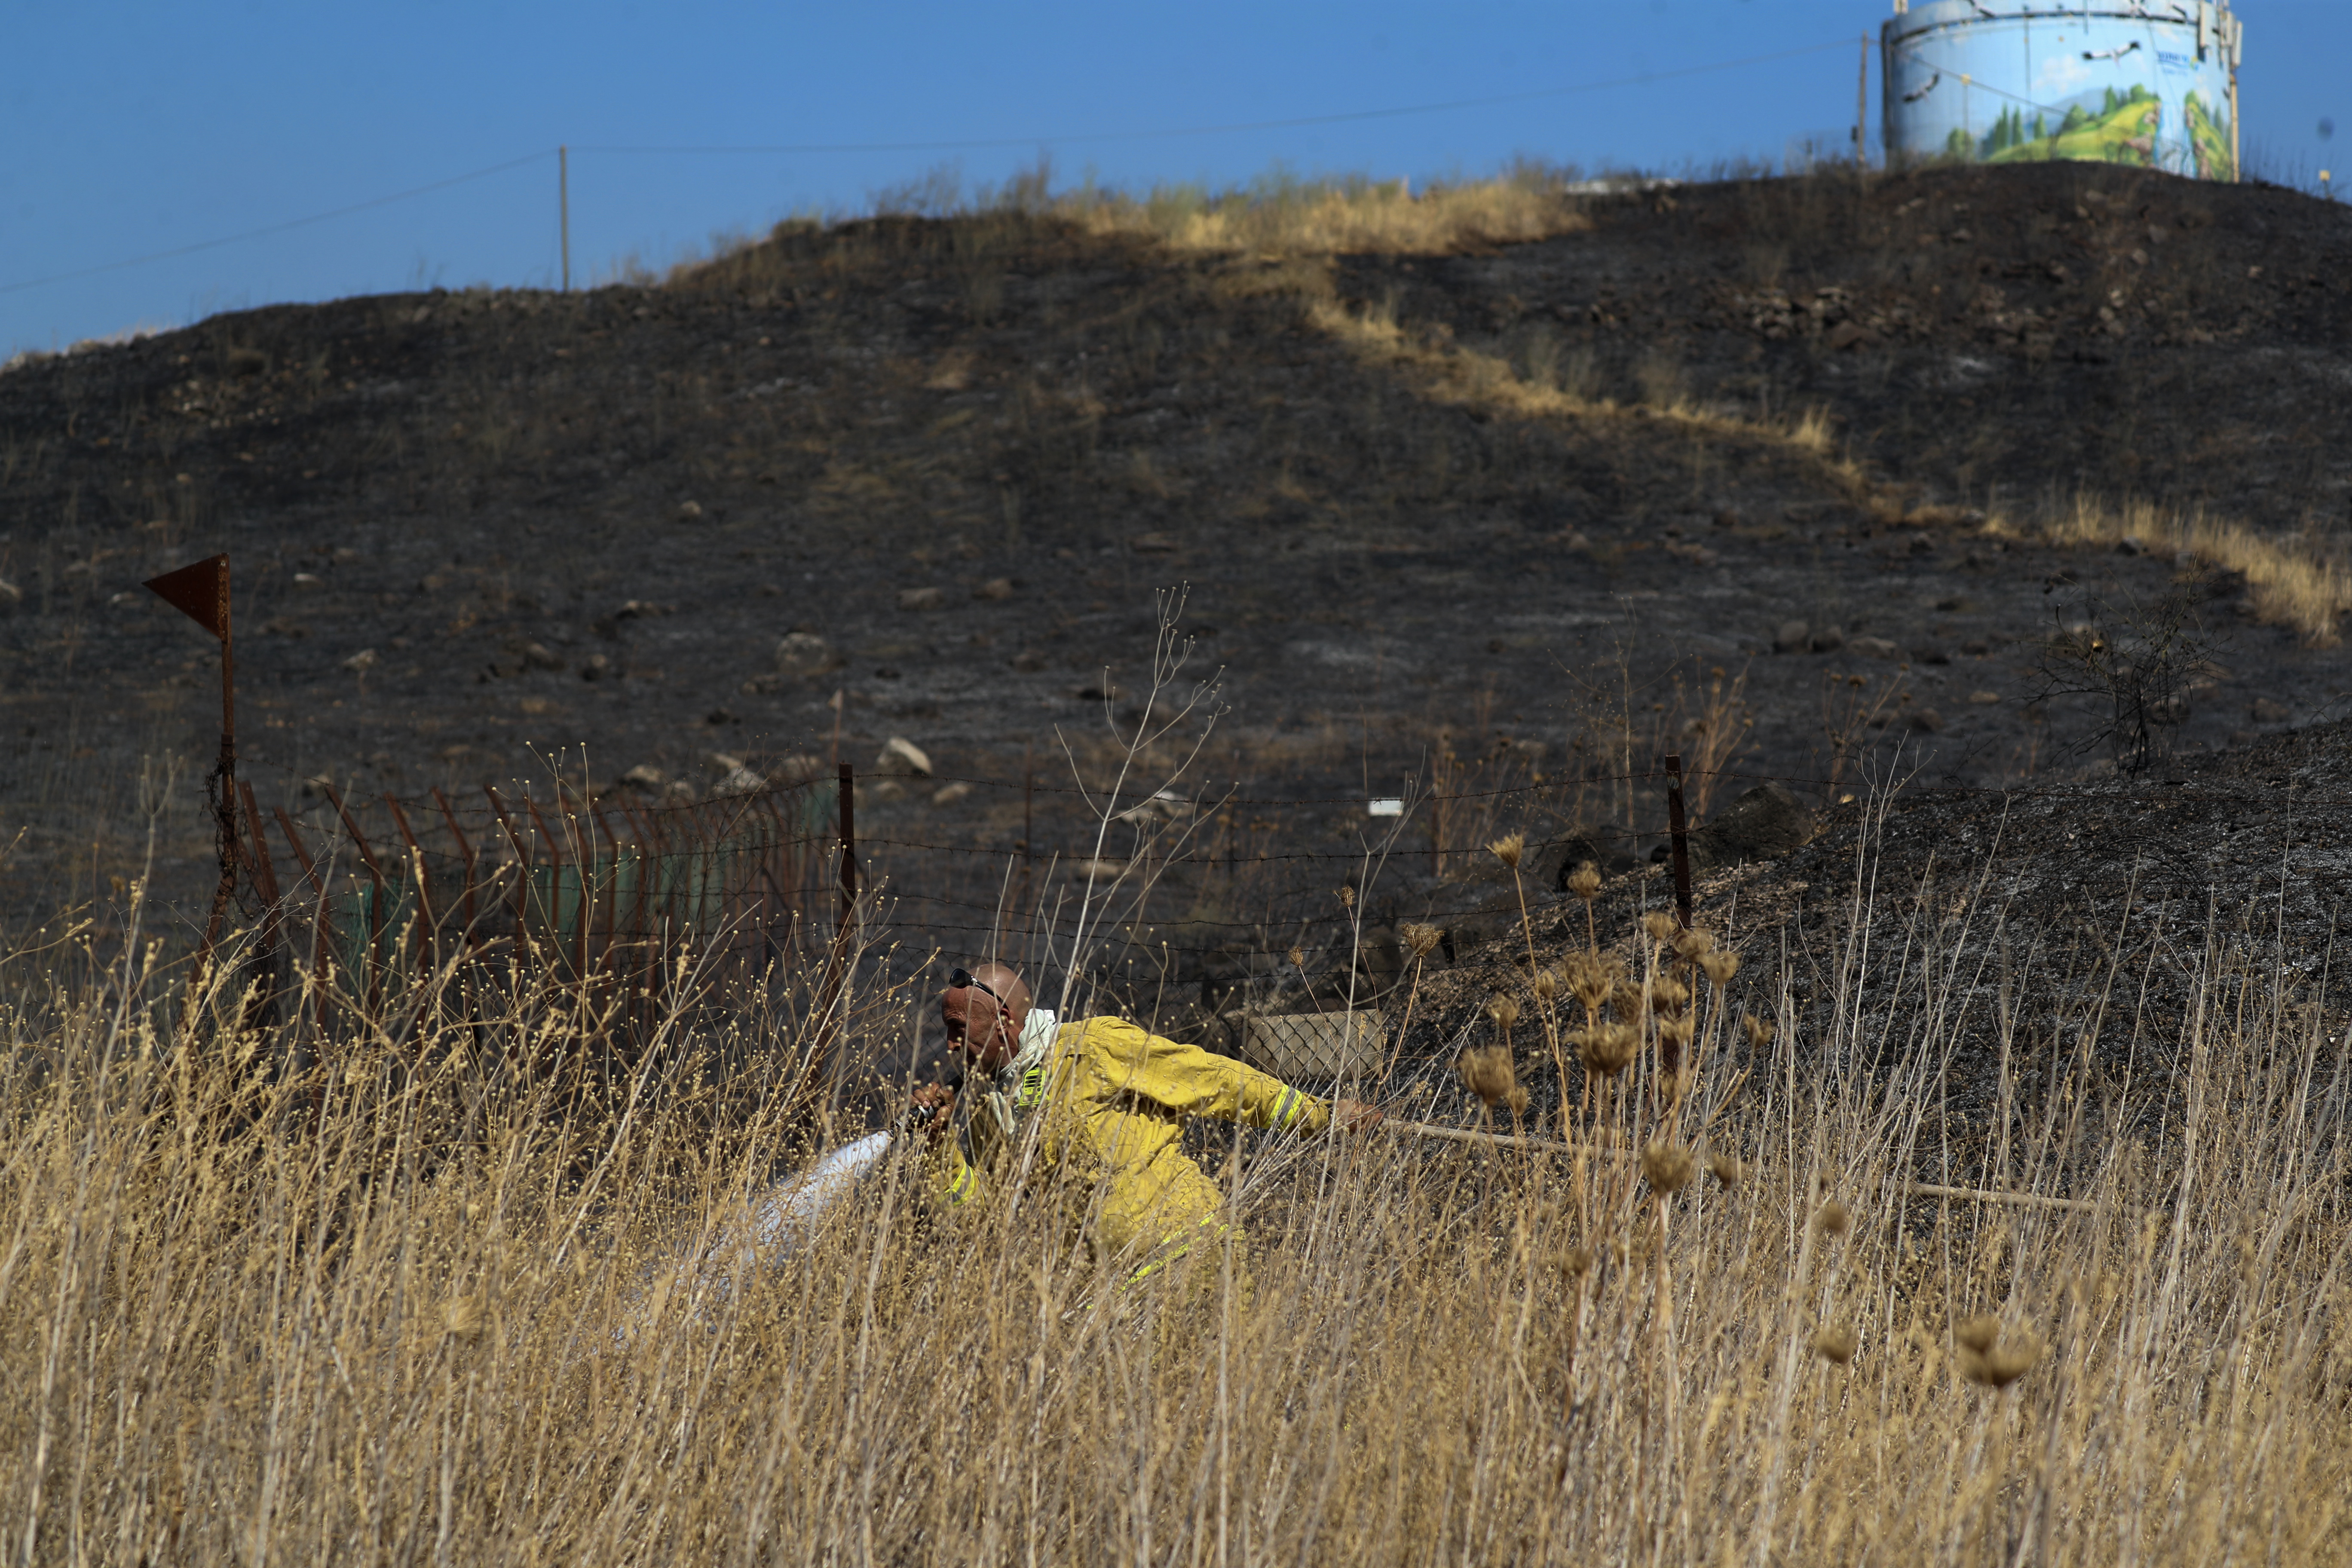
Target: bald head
[984, 1019]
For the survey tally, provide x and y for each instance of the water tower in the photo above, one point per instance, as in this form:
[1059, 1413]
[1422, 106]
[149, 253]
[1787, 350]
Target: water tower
[2151, 84]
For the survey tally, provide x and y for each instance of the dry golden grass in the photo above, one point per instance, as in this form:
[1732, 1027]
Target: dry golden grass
[1468, 377]
[432, 1315]
[2290, 585]
[1341, 217]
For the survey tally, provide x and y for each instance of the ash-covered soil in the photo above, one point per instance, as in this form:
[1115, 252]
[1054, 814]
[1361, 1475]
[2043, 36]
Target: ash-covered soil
[470, 529]
[2060, 939]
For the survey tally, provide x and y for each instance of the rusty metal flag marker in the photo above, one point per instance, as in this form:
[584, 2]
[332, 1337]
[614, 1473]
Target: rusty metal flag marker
[200, 591]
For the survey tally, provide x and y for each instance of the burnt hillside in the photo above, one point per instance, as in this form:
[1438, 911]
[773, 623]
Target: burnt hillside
[1761, 462]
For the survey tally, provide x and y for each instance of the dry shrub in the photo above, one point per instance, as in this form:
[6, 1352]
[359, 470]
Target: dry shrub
[402, 1309]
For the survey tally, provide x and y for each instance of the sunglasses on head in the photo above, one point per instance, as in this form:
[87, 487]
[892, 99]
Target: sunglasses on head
[959, 979]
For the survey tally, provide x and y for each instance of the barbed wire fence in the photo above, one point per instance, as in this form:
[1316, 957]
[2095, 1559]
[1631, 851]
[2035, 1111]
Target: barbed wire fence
[651, 912]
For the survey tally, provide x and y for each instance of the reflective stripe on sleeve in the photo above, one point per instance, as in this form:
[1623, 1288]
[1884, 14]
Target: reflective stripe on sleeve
[960, 1188]
[1287, 1107]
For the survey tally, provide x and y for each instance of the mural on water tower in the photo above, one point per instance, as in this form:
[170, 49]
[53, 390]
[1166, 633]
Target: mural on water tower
[2141, 82]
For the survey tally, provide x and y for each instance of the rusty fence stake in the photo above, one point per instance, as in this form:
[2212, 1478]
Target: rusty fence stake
[264, 1005]
[1677, 829]
[832, 1012]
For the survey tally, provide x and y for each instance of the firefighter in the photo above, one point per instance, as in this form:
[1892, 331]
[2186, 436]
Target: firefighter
[1108, 1101]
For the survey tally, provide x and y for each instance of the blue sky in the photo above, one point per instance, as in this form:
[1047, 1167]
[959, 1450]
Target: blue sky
[140, 127]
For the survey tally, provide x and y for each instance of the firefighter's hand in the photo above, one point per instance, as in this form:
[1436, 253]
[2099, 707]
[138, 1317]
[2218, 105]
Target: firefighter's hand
[1355, 1116]
[933, 1108]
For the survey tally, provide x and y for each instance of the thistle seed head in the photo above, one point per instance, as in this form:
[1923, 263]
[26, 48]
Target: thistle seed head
[1660, 926]
[1298, 956]
[1725, 1169]
[1591, 977]
[1667, 1167]
[1834, 1219]
[1720, 967]
[1584, 882]
[2001, 1365]
[1759, 1033]
[1346, 897]
[1421, 940]
[1488, 1074]
[1504, 1008]
[1677, 1030]
[1516, 1099]
[1668, 994]
[1579, 1262]
[1607, 1048]
[1835, 1345]
[1628, 1000]
[1510, 850]
[461, 1317]
[1977, 1333]
[1694, 943]
[1546, 984]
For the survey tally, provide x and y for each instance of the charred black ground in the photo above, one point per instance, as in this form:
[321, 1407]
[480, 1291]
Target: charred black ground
[472, 529]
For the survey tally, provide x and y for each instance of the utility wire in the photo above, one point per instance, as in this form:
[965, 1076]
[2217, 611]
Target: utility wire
[282, 227]
[818, 148]
[1295, 123]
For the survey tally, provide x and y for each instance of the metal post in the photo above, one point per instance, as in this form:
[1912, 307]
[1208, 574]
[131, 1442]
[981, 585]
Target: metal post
[833, 1009]
[1436, 834]
[464, 849]
[200, 591]
[848, 803]
[428, 925]
[265, 882]
[1862, 115]
[563, 207]
[227, 765]
[374, 952]
[1676, 830]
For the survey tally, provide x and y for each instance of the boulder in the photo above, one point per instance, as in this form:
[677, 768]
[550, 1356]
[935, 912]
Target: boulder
[994, 588]
[901, 758]
[1794, 636]
[921, 598]
[1767, 820]
[801, 653]
[798, 769]
[1609, 854]
[1875, 647]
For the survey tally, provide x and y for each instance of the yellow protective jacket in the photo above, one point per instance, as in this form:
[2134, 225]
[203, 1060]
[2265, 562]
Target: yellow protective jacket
[1110, 1100]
